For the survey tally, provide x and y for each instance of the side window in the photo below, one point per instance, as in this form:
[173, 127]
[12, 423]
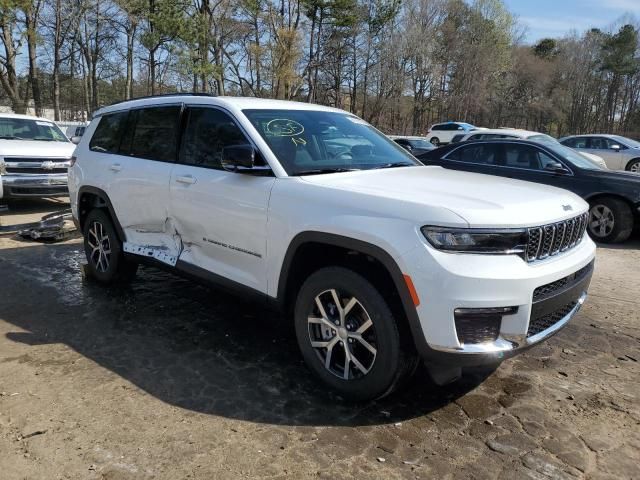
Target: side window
[106, 138]
[156, 133]
[440, 126]
[526, 156]
[482, 154]
[208, 131]
[598, 143]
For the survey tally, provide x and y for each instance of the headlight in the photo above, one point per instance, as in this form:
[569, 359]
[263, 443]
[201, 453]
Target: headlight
[475, 240]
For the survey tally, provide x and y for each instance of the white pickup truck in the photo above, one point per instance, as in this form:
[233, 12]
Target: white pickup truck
[34, 157]
[379, 260]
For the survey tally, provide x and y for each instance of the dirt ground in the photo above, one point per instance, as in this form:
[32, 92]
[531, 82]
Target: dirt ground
[169, 380]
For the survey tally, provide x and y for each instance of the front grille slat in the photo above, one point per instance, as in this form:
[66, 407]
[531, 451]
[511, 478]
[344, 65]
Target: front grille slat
[549, 240]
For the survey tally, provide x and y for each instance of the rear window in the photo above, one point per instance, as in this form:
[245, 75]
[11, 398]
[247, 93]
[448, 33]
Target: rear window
[106, 138]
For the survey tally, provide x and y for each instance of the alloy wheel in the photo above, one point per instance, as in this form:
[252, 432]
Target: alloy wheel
[342, 334]
[635, 167]
[601, 221]
[100, 245]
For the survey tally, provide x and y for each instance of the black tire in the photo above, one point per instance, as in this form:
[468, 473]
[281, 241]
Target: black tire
[435, 141]
[394, 360]
[634, 165]
[107, 265]
[618, 220]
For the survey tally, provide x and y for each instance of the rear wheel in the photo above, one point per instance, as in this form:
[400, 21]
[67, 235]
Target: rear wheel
[348, 335]
[634, 165]
[435, 141]
[610, 220]
[103, 250]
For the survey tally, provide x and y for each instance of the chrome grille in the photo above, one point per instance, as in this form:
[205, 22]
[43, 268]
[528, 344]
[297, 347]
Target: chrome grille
[549, 240]
[35, 165]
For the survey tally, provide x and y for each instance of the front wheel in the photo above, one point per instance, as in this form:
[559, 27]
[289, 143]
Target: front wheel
[103, 250]
[435, 141]
[634, 166]
[348, 335]
[610, 220]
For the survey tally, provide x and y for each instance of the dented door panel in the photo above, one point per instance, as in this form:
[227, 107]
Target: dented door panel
[222, 219]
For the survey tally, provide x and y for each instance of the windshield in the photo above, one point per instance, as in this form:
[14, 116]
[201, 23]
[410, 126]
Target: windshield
[27, 129]
[629, 142]
[421, 144]
[542, 138]
[573, 157]
[310, 142]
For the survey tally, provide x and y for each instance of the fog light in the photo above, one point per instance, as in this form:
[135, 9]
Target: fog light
[480, 325]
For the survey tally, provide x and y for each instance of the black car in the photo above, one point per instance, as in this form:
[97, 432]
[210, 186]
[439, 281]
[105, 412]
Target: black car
[614, 197]
[415, 145]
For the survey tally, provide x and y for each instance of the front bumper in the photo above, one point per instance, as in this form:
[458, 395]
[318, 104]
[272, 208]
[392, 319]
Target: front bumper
[33, 185]
[445, 282]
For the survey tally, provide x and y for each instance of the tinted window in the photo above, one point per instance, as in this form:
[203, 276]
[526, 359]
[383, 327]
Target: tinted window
[482, 154]
[107, 136]
[439, 127]
[576, 142]
[598, 143]
[156, 133]
[526, 156]
[208, 131]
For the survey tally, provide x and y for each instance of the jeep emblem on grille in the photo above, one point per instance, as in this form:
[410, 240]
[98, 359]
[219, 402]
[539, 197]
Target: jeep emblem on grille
[48, 165]
[566, 208]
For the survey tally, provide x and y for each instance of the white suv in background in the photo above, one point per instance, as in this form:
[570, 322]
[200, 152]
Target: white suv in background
[493, 133]
[378, 259]
[443, 133]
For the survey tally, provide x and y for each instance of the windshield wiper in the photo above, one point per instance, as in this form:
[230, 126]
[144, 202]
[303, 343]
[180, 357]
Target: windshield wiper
[396, 164]
[317, 171]
[10, 137]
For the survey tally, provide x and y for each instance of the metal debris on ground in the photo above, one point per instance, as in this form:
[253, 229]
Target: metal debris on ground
[53, 227]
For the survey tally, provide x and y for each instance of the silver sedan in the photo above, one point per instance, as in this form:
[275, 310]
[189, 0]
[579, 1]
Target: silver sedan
[619, 153]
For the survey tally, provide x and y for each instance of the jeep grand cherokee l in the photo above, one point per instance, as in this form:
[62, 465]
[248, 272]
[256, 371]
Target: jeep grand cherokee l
[34, 157]
[378, 259]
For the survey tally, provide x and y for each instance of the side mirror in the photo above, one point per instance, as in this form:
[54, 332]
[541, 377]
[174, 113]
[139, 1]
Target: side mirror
[615, 147]
[76, 139]
[238, 156]
[555, 167]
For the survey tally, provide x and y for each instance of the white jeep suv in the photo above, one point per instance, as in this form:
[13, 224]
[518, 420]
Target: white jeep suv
[379, 260]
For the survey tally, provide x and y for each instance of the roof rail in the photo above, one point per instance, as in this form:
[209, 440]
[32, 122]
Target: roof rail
[162, 95]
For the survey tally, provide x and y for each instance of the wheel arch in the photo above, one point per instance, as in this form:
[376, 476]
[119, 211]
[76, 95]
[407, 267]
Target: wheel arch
[295, 267]
[92, 197]
[592, 198]
[627, 167]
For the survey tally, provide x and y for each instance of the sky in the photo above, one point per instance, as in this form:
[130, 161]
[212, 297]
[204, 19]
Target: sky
[555, 18]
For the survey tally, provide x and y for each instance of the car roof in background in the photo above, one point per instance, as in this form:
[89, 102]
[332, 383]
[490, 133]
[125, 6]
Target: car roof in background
[24, 117]
[507, 131]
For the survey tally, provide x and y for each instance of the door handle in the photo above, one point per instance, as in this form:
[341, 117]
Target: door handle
[116, 167]
[186, 179]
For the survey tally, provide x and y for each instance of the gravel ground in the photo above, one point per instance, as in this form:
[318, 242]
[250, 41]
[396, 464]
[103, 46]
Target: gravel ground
[169, 380]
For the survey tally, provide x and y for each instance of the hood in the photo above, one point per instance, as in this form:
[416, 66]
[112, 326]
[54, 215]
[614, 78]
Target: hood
[481, 200]
[35, 148]
[620, 177]
[595, 159]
